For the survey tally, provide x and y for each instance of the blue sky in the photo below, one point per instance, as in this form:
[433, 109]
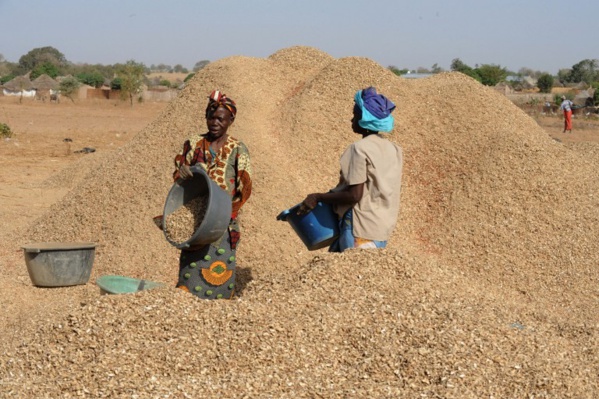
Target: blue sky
[541, 35]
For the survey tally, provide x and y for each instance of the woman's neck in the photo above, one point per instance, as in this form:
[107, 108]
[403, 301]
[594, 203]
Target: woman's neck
[217, 142]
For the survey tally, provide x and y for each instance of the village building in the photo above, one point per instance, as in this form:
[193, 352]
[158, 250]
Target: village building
[20, 86]
[45, 88]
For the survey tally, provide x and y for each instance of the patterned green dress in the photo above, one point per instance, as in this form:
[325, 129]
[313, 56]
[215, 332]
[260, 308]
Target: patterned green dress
[209, 271]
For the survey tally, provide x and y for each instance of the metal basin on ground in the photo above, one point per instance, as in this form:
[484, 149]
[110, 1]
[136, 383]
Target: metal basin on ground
[59, 264]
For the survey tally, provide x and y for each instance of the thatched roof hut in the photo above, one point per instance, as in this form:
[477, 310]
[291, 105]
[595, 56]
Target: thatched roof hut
[19, 86]
[20, 83]
[45, 82]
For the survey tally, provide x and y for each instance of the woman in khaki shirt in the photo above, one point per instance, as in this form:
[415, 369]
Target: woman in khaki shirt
[366, 199]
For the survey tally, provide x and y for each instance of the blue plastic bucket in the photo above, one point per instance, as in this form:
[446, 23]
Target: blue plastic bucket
[317, 229]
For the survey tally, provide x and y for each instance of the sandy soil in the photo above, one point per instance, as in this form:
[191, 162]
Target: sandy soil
[47, 137]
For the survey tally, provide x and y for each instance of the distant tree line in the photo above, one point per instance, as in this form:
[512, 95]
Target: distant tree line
[127, 76]
[585, 71]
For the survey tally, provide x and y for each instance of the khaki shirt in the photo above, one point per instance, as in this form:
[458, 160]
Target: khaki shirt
[376, 162]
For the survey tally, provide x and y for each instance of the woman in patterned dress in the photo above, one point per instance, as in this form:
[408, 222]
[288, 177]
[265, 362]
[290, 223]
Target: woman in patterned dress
[209, 271]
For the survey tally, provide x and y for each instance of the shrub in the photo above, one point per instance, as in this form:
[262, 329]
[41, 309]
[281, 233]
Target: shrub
[398, 71]
[5, 130]
[69, 86]
[545, 83]
[94, 79]
[490, 74]
[595, 86]
[116, 84]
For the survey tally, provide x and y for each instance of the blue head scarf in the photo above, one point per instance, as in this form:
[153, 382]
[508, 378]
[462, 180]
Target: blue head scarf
[376, 110]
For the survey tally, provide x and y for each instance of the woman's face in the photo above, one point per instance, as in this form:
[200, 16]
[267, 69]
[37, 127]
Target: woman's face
[356, 118]
[218, 122]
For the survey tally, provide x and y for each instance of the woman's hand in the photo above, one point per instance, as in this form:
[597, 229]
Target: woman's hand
[185, 172]
[308, 204]
[350, 195]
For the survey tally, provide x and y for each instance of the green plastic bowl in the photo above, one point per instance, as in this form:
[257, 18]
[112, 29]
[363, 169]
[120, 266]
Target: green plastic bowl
[124, 285]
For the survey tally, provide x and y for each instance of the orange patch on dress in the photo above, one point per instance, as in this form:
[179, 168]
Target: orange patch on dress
[217, 273]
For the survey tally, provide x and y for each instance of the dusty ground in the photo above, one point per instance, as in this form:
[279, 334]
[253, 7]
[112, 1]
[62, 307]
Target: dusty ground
[38, 148]
[489, 287]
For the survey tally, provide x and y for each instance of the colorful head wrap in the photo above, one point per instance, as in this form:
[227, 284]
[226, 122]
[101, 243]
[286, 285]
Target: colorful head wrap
[219, 99]
[376, 110]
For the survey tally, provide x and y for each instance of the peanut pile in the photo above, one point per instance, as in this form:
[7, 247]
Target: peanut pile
[185, 220]
[488, 287]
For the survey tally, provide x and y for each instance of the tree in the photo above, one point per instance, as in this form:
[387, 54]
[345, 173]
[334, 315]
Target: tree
[5, 68]
[529, 72]
[94, 79]
[179, 69]
[545, 83]
[45, 68]
[458, 66]
[200, 65]
[69, 86]
[562, 75]
[525, 72]
[585, 71]
[595, 86]
[41, 55]
[96, 70]
[115, 84]
[491, 74]
[398, 71]
[131, 76]
[436, 68]
[161, 68]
